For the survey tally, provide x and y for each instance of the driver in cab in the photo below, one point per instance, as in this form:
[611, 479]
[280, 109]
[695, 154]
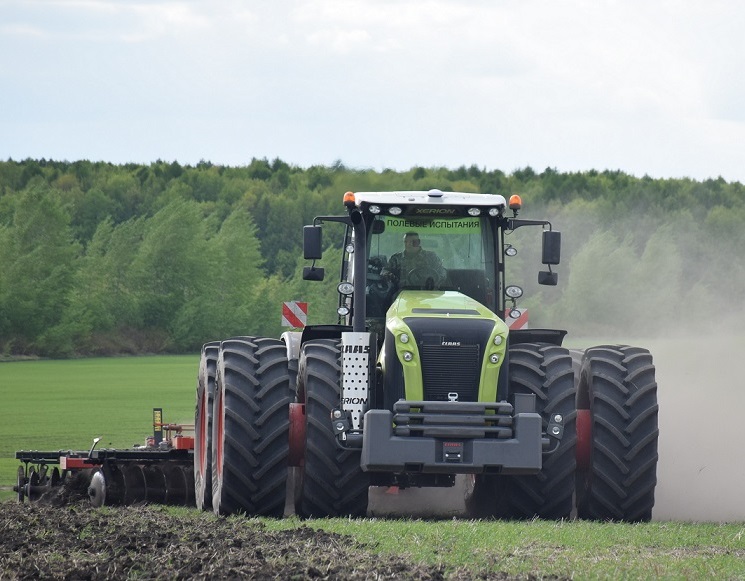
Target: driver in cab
[415, 266]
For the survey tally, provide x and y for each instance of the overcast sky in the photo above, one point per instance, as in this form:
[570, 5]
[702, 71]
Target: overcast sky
[644, 86]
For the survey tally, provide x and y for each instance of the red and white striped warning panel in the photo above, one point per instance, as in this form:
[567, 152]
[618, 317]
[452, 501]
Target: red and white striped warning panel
[294, 314]
[517, 319]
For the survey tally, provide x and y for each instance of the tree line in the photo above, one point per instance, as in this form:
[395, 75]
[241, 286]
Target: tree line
[100, 258]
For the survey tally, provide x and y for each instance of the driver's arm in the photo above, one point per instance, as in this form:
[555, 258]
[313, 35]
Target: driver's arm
[436, 265]
[392, 271]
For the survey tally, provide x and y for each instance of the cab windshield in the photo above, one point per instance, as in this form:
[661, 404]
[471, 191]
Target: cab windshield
[429, 254]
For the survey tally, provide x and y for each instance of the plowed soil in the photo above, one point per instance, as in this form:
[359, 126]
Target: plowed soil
[43, 541]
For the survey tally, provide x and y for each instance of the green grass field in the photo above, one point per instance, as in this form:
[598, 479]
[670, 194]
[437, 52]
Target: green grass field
[53, 405]
[575, 549]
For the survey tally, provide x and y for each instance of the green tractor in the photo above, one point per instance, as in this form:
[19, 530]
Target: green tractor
[422, 378]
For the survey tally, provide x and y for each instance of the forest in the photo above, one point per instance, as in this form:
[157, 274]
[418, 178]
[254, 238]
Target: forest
[104, 259]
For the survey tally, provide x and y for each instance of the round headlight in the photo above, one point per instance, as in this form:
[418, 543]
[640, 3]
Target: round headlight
[510, 251]
[374, 209]
[345, 288]
[394, 211]
[349, 248]
[515, 314]
[498, 340]
[343, 311]
[494, 358]
[474, 212]
[408, 356]
[514, 292]
[493, 212]
[403, 337]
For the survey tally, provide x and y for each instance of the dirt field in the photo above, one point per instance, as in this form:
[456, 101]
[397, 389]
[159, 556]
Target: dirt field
[74, 542]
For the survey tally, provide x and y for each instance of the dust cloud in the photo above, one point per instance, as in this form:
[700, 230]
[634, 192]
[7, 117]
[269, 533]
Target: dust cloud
[701, 394]
[419, 502]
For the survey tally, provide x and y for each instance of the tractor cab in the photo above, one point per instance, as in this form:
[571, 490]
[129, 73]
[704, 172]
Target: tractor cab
[446, 247]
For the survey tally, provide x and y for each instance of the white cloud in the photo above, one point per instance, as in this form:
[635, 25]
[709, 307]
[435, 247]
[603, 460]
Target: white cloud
[152, 21]
[340, 40]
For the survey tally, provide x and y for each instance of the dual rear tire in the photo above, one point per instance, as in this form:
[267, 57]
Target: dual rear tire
[617, 387]
[242, 446]
[250, 427]
[613, 390]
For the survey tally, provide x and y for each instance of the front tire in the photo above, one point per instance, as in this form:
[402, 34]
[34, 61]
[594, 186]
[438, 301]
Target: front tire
[250, 427]
[333, 483]
[619, 384]
[545, 371]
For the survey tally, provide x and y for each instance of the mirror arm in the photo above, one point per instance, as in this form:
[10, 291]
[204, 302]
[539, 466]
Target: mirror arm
[515, 223]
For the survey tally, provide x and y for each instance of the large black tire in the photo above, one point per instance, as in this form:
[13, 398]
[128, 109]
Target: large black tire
[250, 427]
[545, 370]
[619, 382]
[333, 483]
[203, 425]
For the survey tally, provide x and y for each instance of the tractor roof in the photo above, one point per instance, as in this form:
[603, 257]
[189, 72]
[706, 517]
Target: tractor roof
[431, 197]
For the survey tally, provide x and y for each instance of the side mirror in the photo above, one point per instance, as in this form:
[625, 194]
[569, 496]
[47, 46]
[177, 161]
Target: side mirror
[312, 248]
[548, 278]
[313, 273]
[551, 247]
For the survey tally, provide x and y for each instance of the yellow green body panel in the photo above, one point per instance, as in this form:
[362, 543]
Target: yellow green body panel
[442, 305]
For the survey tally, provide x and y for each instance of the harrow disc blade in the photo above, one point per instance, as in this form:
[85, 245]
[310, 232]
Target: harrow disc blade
[134, 484]
[21, 484]
[43, 475]
[114, 480]
[190, 497]
[155, 484]
[56, 479]
[32, 485]
[176, 484]
[97, 489]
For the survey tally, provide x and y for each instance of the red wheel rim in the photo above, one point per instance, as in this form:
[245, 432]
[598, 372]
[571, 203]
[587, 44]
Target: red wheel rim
[584, 439]
[219, 434]
[202, 434]
[297, 434]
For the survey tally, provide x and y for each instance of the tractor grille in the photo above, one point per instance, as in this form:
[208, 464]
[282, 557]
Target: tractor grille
[451, 370]
[451, 351]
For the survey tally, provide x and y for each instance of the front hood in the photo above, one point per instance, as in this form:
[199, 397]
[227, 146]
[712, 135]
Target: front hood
[418, 303]
[440, 337]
